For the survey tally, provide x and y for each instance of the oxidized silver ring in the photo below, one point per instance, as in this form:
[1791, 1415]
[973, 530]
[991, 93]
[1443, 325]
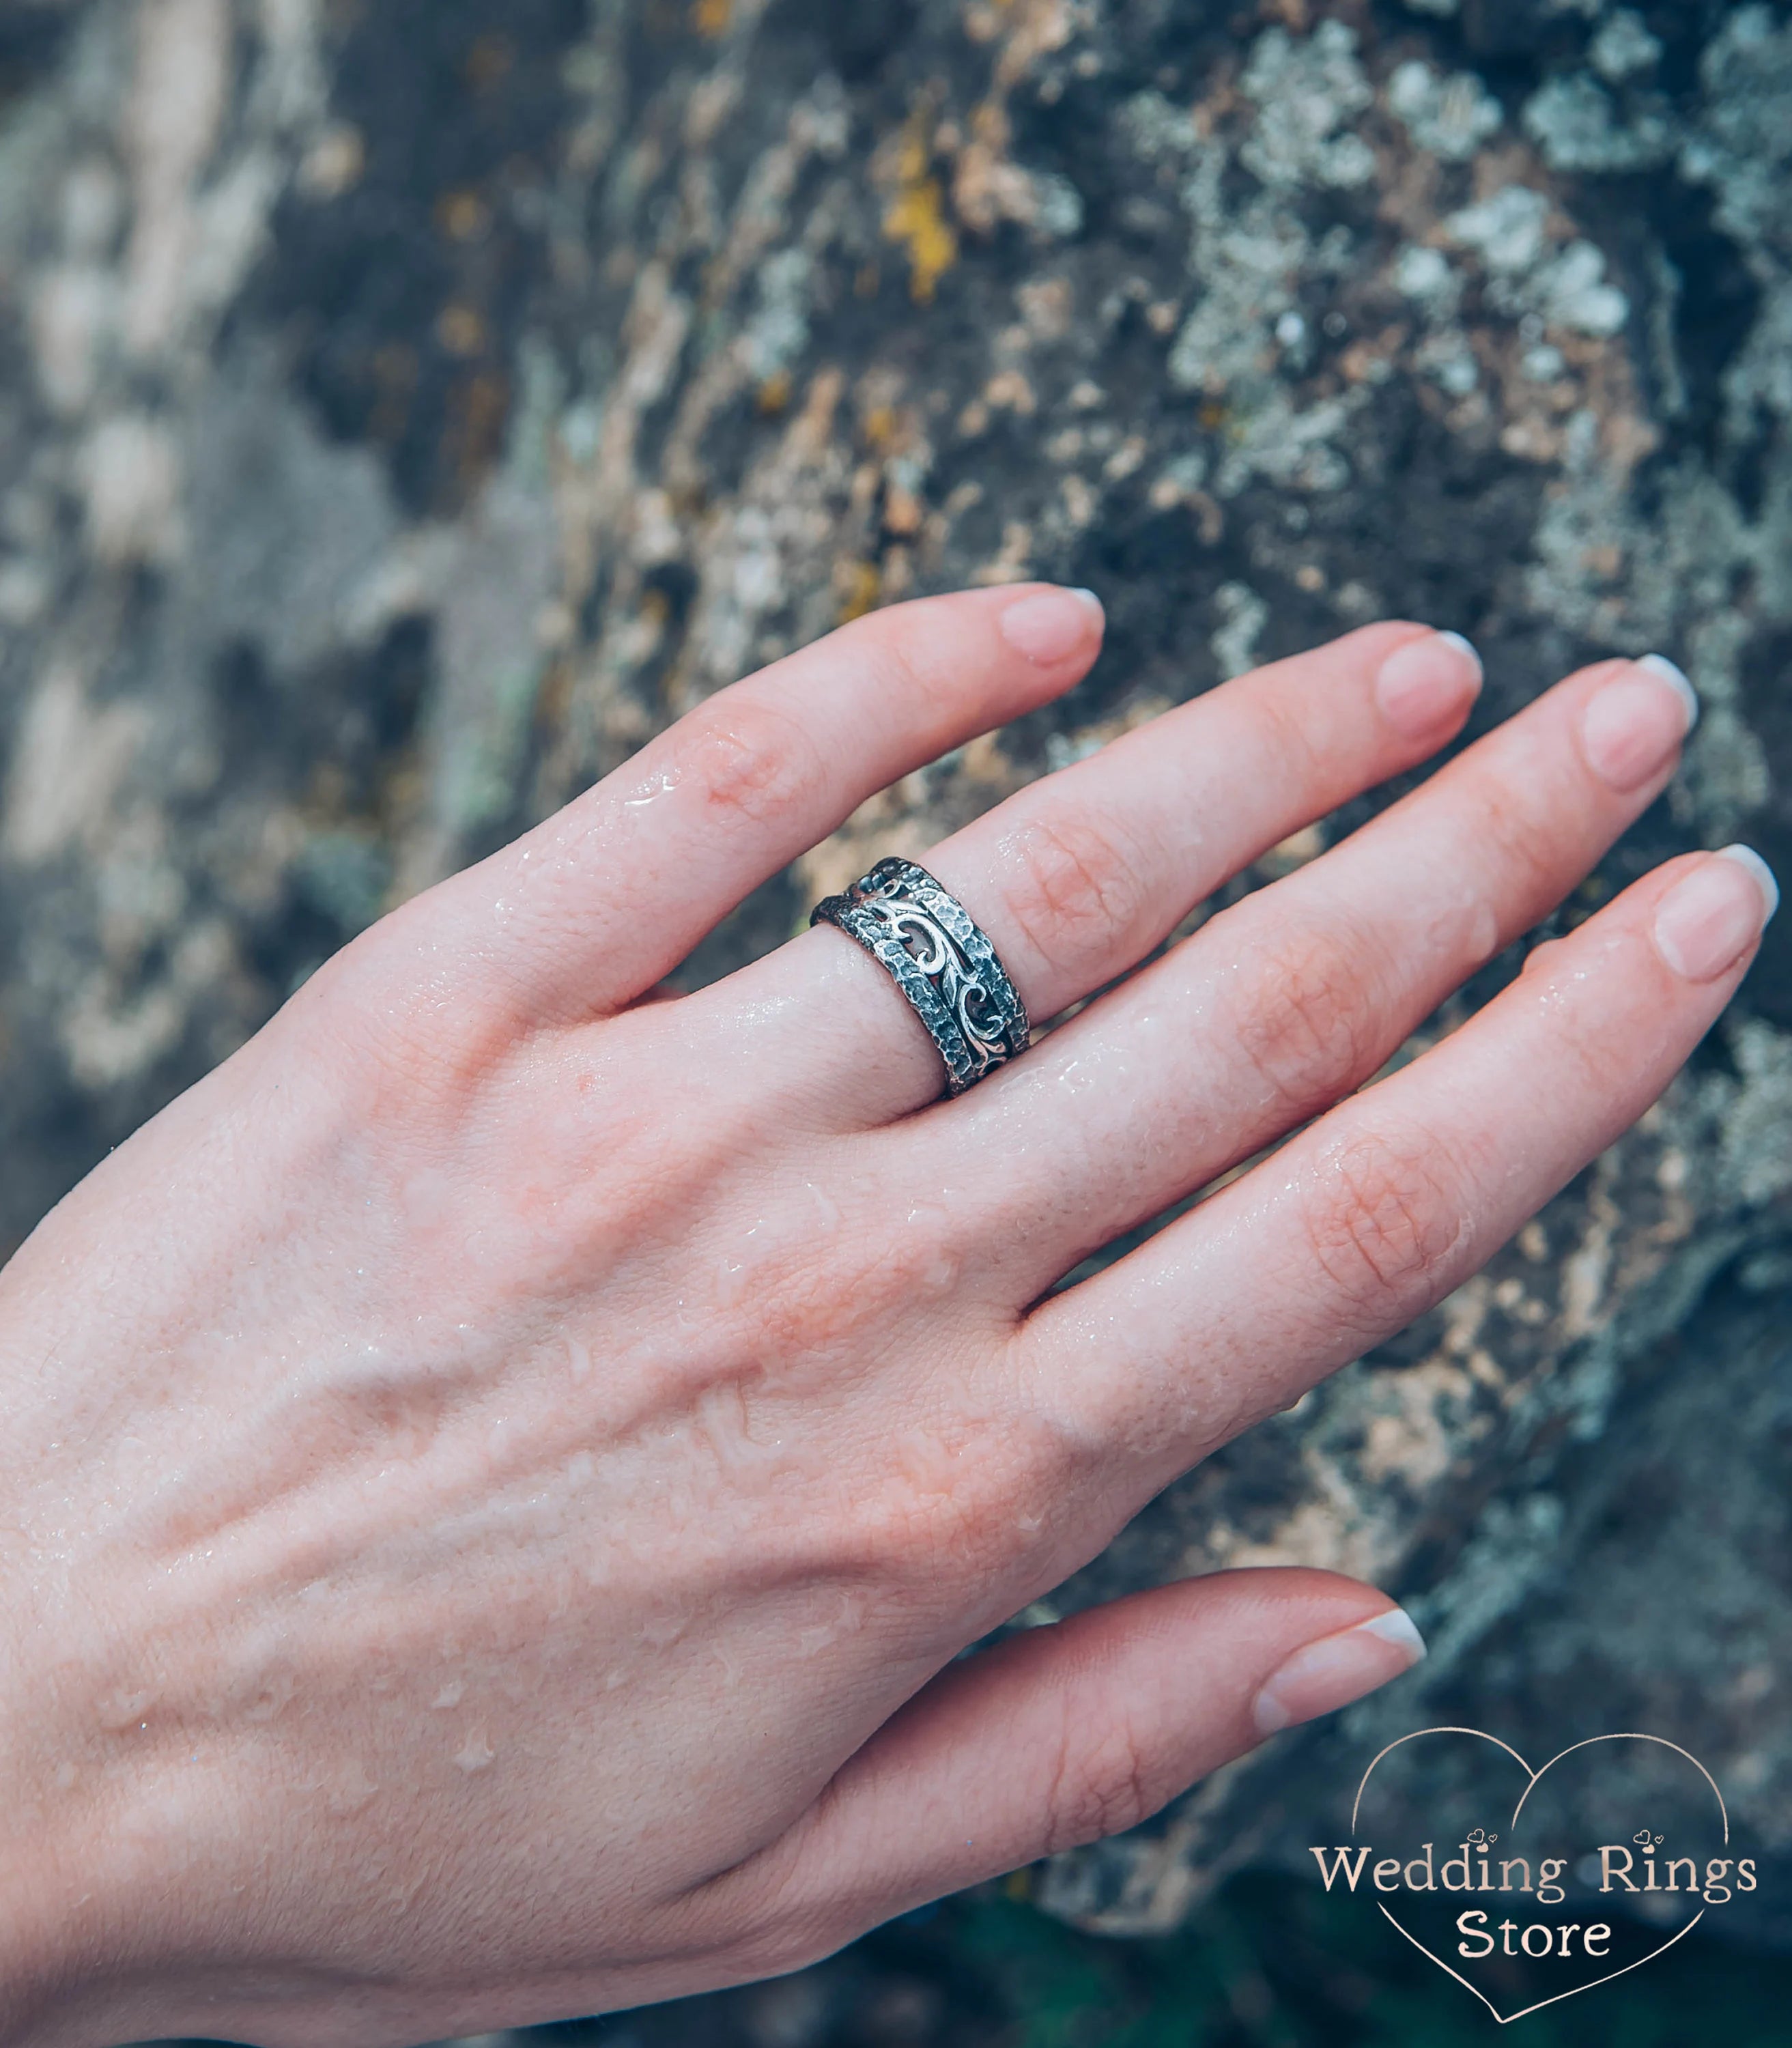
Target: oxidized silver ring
[935, 953]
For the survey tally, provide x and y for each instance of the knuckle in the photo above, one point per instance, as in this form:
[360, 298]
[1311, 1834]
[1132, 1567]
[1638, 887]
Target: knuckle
[1306, 1019]
[829, 1288]
[1076, 891]
[1521, 846]
[939, 1532]
[751, 760]
[1386, 1221]
[1289, 731]
[909, 659]
[1101, 1784]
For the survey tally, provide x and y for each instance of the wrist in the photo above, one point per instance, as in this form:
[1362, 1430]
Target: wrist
[78, 1937]
[81, 1942]
[49, 1877]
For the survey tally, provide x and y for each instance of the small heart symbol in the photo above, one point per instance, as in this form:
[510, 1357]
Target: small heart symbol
[1526, 1782]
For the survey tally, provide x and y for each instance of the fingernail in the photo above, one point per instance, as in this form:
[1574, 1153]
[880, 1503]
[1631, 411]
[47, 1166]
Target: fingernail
[1632, 727]
[1675, 677]
[1427, 681]
[1705, 925]
[1328, 1674]
[1053, 624]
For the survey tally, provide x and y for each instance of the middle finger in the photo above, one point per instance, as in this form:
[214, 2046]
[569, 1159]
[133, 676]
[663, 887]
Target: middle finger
[1078, 877]
[1293, 997]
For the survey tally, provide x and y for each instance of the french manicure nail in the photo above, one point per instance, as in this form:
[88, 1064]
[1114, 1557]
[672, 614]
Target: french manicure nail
[1051, 625]
[1426, 681]
[1705, 925]
[1632, 727]
[1323, 1675]
[1676, 678]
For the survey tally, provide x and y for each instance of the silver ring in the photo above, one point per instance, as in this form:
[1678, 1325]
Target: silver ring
[935, 953]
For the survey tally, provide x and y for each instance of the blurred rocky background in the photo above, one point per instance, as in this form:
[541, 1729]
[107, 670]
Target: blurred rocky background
[406, 406]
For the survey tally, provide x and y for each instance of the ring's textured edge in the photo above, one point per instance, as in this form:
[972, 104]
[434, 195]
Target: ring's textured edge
[929, 1004]
[942, 961]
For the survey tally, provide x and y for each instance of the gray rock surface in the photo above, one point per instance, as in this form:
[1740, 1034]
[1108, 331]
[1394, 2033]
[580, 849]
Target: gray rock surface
[406, 407]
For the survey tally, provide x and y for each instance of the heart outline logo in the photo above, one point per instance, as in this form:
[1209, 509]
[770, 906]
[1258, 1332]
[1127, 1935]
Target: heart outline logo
[1533, 1778]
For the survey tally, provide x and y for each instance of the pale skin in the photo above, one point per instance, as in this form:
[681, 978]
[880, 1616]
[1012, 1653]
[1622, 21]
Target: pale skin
[495, 1476]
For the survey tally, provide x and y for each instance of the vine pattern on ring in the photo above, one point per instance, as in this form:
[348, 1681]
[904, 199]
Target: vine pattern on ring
[942, 961]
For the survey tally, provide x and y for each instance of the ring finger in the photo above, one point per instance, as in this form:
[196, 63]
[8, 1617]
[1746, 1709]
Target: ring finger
[1284, 1004]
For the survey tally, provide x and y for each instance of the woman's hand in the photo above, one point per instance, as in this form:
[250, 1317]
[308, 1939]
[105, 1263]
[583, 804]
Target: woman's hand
[495, 1476]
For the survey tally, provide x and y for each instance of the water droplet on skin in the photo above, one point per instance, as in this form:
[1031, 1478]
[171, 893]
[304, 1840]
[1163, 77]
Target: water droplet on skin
[662, 785]
[725, 1420]
[662, 1630]
[118, 1711]
[846, 1621]
[351, 1789]
[475, 1753]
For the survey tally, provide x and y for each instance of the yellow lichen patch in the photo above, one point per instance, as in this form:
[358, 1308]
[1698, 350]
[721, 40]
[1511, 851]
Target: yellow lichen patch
[477, 412]
[887, 823]
[462, 216]
[860, 587]
[1034, 29]
[880, 427]
[916, 218]
[460, 330]
[984, 766]
[902, 511]
[489, 62]
[1332, 1534]
[335, 163]
[1014, 563]
[710, 17]
[1422, 1424]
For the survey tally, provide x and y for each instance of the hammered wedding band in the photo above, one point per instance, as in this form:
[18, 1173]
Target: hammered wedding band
[935, 953]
